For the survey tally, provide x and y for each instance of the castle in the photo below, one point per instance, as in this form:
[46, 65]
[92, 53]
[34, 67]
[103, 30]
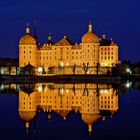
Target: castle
[92, 101]
[91, 52]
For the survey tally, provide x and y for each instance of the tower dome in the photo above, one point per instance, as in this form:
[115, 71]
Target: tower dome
[90, 37]
[27, 39]
[27, 115]
[89, 119]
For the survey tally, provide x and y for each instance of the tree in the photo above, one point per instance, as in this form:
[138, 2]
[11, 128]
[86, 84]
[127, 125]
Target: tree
[85, 67]
[97, 68]
[74, 68]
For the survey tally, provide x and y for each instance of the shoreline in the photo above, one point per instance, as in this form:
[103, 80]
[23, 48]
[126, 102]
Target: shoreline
[67, 78]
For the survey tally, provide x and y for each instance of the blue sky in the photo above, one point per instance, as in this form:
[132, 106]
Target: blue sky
[119, 19]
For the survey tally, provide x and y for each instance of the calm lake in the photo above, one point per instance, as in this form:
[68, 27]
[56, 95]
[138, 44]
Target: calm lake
[80, 111]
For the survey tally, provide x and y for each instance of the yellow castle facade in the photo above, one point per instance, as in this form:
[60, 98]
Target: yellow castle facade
[92, 51]
[89, 100]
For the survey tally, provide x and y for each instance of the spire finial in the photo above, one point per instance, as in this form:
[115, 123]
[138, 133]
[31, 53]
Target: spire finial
[35, 29]
[27, 29]
[90, 22]
[90, 27]
[90, 128]
[27, 126]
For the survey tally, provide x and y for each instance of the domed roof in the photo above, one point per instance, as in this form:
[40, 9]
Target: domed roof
[90, 118]
[27, 115]
[27, 38]
[90, 37]
[63, 113]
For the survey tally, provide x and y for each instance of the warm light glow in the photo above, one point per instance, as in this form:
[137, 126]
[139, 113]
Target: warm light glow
[40, 89]
[2, 71]
[128, 71]
[128, 84]
[40, 70]
[104, 91]
[67, 91]
[62, 64]
[62, 91]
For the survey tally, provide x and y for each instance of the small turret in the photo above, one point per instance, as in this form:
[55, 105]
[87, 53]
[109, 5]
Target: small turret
[103, 36]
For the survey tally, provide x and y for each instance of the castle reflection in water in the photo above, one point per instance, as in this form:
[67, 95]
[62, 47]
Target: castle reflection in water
[92, 101]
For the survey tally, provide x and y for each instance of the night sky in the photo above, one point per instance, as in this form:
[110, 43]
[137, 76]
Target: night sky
[119, 19]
